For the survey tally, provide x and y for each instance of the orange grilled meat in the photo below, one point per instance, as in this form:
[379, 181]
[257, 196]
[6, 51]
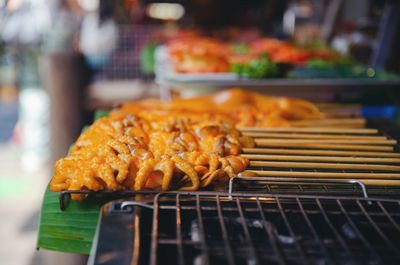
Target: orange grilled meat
[118, 154]
[235, 106]
[184, 144]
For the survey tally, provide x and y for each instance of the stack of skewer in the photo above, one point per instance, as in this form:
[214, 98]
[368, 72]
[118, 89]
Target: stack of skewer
[334, 149]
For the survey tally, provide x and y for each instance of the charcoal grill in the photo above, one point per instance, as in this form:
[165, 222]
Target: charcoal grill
[211, 228]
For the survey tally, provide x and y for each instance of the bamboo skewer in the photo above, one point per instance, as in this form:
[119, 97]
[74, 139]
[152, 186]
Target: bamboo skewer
[368, 182]
[339, 108]
[328, 122]
[378, 182]
[336, 106]
[340, 140]
[330, 175]
[318, 152]
[333, 126]
[324, 165]
[341, 115]
[311, 130]
[321, 158]
[311, 136]
[326, 146]
[264, 141]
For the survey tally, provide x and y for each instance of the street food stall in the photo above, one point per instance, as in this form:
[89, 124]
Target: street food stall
[233, 145]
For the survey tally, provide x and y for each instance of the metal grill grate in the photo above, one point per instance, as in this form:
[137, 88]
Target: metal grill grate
[260, 187]
[209, 228]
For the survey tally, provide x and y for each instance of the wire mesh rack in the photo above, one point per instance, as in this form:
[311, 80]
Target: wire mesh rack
[211, 228]
[262, 186]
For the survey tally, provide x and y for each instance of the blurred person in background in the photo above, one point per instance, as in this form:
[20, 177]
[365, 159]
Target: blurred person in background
[31, 32]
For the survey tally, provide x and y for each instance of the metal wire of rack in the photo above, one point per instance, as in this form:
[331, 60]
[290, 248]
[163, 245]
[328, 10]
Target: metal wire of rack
[256, 187]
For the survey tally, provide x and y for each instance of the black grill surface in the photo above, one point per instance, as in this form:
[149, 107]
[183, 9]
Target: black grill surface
[214, 228]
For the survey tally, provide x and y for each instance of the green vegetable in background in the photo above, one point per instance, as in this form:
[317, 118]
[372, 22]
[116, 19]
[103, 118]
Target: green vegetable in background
[147, 58]
[240, 48]
[237, 68]
[342, 61]
[319, 63]
[258, 68]
[345, 61]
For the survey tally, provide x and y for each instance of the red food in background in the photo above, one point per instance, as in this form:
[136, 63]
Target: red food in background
[324, 54]
[280, 51]
[198, 55]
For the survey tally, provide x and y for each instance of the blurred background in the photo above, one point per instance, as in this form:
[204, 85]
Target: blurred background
[61, 60]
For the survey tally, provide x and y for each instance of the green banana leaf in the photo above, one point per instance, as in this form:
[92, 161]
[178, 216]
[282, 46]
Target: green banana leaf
[71, 230]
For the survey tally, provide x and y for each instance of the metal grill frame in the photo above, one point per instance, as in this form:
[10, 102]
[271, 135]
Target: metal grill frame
[175, 203]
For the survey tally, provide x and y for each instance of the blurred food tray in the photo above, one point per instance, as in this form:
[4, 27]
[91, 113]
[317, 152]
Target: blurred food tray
[316, 89]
